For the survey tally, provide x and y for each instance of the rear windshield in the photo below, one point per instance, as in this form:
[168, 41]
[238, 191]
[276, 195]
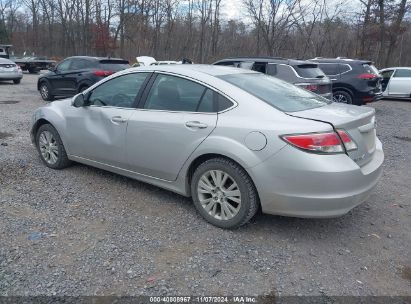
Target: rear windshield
[369, 68]
[279, 94]
[309, 71]
[114, 65]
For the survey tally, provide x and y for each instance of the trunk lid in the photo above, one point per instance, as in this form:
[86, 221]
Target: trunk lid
[358, 122]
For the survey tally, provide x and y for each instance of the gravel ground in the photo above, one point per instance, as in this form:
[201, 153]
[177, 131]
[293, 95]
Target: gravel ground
[84, 231]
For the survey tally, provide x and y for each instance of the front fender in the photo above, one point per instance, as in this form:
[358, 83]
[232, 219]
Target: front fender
[52, 115]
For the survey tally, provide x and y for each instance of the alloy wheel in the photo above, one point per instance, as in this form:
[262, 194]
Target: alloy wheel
[44, 91]
[219, 194]
[48, 147]
[341, 98]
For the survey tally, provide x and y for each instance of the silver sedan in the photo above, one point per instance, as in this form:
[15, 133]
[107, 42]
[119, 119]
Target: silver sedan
[234, 140]
[10, 71]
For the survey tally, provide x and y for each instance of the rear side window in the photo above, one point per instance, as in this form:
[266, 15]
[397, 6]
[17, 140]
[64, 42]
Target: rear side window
[369, 68]
[176, 94]
[329, 68]
[402, 73]
[271, 69]
[309, 71]
[260, 67]
[344, 68]
[114, 65]
[79, 64]
[223, 103]
[226, 63]
[278, 93]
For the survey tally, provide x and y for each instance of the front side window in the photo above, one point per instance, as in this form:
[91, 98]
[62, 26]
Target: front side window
[387, 74]
[118, 92]
[278, 93]
[173, 93]
[402, 73]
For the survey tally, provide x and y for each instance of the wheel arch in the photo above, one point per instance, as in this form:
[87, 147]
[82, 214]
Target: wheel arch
[196, 162]
[345, 89]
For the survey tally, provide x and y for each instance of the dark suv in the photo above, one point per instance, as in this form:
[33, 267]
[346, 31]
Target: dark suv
[354, 81]
[75, 74]
[302, 73]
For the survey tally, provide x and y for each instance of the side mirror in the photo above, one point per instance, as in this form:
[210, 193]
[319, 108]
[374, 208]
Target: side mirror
[52, 69]
[79, 101]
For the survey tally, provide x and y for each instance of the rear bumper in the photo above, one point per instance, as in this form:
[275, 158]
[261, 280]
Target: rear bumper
[300, 184]
[363, 98]
[11, 76]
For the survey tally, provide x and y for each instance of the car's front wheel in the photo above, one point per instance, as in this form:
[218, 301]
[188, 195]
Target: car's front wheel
[45, 92]
[16, 81]
[223, 193]
[51, 148]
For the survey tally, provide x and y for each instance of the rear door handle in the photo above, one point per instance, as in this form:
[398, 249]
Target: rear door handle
[118, 119]
[196, 124]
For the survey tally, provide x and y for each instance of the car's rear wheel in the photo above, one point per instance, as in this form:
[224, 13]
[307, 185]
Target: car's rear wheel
[51, 148]
[45, 92]
[16, 81]
[342, 97]
[223, 193]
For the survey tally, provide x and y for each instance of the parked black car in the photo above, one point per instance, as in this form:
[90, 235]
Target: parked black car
[75, 74]
[299, 72]
[354, 81]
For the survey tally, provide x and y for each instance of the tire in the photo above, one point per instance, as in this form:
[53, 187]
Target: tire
[51, 148]
[236, 181]
[17, 81]
[45, 92]
[342, 97]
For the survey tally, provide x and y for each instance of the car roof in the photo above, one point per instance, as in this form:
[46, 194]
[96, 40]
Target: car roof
[188, 69]
[268, 59]
[397, 68]
[339, 60]
[5, 60]
[95, 58]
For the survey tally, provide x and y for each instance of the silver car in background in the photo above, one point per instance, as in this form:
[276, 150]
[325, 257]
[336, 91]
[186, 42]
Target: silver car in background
[233, 140]
[396, 82]
[10, 71]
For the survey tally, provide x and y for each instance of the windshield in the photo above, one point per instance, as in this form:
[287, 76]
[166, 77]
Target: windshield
[280, 94]
[309, 71]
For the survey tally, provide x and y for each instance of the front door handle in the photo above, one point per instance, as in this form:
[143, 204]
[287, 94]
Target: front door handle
[196, 124]
[118, 119]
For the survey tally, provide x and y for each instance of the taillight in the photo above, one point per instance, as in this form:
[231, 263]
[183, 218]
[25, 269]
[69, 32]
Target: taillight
[367, 76]
[311, 87]
[346, 139]
[103, 73]
[316, 142]
[329, 142]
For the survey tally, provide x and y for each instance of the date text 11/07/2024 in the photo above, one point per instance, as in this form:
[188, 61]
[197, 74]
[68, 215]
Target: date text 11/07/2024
[204, 299]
